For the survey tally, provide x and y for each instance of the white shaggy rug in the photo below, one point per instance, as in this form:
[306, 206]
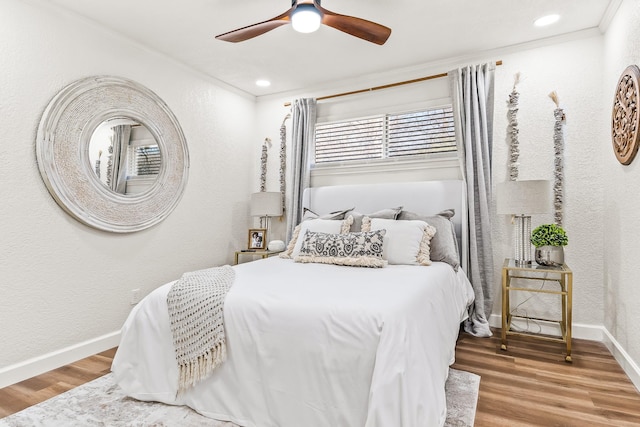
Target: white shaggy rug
[102, 403]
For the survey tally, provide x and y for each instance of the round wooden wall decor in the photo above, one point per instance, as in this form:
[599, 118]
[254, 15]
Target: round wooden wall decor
[62, 150]
[625, 116]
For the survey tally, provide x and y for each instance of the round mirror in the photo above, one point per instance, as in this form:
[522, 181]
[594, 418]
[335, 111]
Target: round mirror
[125, 156]
[112, 154]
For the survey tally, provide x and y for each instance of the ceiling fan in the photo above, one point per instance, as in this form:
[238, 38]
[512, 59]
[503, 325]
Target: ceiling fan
[306, 17]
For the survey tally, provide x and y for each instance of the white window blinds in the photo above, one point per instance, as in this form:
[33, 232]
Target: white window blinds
[145, 160]
[386, 136]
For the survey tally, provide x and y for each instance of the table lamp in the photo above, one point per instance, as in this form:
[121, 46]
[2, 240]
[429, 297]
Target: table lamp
[265, 205]
[521, 199]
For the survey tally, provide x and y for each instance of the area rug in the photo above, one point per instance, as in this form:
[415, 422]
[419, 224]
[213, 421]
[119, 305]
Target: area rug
[102, 403]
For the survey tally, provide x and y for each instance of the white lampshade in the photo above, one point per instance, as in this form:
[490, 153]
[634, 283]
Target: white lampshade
[306, 19]
[266, 204]
[524, 197]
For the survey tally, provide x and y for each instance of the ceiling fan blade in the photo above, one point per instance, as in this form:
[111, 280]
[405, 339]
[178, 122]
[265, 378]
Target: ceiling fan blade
[251, 31]
[366, 30]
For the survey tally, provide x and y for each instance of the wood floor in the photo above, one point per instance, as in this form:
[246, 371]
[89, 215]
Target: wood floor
[528, 385]
[38, 389]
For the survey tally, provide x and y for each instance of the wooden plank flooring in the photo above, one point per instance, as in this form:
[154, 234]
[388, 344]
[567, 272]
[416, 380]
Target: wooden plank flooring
[38, 389]
[528, 385]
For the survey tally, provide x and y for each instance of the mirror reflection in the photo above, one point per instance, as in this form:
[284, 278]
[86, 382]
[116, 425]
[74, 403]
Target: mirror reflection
[124, 156]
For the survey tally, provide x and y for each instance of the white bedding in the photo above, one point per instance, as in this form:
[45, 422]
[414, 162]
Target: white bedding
[313, 345]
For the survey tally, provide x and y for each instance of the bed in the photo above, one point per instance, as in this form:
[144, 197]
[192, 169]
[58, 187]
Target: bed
[312, 344]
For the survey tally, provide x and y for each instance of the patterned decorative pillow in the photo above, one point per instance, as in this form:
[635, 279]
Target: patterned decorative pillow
[321, 225]
[362, 249]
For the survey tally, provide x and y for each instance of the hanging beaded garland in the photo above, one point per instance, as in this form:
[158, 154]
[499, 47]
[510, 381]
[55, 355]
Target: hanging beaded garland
[512, 115]
[110, 166]
[283, 159]
[558, 145]
[263, 164]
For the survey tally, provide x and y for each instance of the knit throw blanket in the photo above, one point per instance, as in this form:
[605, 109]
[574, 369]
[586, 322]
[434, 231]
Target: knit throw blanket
[196, 303]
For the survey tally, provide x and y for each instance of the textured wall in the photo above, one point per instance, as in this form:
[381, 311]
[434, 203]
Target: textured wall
[62, 283]
[574, 70]
[621, 226]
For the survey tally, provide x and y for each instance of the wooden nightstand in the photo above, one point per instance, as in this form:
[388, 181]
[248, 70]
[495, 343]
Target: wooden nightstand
[261, 254]
[562, 279]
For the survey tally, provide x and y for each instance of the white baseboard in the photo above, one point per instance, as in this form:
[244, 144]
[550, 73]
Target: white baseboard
[593, 333]
[628, 365]
[38, 365]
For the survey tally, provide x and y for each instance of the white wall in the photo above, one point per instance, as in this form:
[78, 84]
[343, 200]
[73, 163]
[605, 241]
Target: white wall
[572, 69]
[620, 226]
[62, 283]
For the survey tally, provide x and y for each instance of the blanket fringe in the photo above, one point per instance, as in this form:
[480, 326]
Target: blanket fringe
[198, 369]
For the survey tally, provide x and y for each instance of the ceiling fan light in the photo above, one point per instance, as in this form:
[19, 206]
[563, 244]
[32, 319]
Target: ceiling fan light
[306, 19]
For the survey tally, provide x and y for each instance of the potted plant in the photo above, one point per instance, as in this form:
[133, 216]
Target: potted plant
[549, 240]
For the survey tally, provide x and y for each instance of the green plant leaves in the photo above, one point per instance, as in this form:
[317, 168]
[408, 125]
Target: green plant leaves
[549, 235]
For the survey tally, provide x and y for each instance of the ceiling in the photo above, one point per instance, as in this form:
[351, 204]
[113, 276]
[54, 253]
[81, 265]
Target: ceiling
[423, 31]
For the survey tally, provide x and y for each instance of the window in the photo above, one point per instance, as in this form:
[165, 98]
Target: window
[386, 136]
[146, 160]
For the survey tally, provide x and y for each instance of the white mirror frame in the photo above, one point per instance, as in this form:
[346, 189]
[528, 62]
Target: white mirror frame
[62, 147]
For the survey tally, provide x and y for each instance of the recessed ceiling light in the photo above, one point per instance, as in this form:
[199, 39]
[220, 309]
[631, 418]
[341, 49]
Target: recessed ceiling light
[546, 20]
[263, 83]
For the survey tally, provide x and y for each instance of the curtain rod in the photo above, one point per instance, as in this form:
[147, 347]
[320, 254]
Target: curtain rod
[387, 86]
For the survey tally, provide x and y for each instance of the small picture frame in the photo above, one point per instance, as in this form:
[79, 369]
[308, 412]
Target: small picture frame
[257, 238]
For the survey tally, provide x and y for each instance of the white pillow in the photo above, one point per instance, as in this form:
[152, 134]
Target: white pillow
[331, 226]
[406, 242]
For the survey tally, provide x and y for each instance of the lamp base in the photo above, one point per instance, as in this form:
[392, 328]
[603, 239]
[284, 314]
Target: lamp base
[522, 242]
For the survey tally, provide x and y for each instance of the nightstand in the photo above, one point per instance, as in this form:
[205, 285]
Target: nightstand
[561, 279]
[261, 254]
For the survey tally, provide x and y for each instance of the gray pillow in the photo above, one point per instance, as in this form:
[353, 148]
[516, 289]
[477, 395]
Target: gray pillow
[309, 214]
[390, 213]
[444, 245]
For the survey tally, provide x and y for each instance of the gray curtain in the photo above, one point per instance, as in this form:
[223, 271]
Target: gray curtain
[303, 125]
[120, 144]
[472, 92]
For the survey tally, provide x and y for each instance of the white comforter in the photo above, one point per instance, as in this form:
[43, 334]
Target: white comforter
[313, 345]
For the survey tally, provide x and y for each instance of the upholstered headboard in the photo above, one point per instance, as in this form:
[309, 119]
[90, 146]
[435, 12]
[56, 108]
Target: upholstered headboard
[426, 197]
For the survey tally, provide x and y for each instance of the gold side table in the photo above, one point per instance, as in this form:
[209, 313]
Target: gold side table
[562, 276]
[261, 254]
